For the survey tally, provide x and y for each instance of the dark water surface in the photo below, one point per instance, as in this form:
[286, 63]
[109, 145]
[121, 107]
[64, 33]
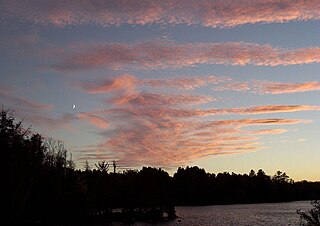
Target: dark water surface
[244, 214]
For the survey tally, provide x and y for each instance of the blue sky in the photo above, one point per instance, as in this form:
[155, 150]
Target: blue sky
[225, 85]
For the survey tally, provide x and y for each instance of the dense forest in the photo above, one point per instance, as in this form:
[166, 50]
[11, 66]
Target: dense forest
[40, 184]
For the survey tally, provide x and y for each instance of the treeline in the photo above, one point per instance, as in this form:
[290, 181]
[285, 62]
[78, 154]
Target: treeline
[41, 185]
[193, 186]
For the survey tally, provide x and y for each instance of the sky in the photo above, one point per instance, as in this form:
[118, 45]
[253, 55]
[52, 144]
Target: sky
[228, 85]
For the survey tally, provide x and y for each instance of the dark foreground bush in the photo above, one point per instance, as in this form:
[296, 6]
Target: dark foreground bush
[313, 215]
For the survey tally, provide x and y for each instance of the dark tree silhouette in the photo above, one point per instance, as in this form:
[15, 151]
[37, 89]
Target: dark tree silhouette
[114, 164]
[86, 166]
[252, 173]
[103, 166]
[280, 177]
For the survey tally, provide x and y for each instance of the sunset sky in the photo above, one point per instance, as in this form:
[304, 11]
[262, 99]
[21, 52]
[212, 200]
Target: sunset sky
[224, 85]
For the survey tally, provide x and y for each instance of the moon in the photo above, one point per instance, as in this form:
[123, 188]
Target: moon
[73, 106]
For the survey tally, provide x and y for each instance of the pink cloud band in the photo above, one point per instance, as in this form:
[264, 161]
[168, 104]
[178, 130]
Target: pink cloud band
[214, 13]
[149, 141]
[166, 54]
[128, 83]
[269, 87]
[94, 120]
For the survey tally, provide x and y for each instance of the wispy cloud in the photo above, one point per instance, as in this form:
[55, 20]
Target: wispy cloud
[168, 54]
[155, 128]
[129, 82]
[269, 87]
[227, 13]
[123, 82]
[30, 111]
[267, 131]
[188, 112]
[147, 140]
[249, 122]
[8, 97]
[152, 135]
[266, 109]
[154, 99]
[281, 88]
[94, 120]
[183, 82]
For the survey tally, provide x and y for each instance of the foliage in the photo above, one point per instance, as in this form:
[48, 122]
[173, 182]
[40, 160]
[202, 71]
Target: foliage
[86, 166]
[103, 166]
[313, 215]
[35, 172]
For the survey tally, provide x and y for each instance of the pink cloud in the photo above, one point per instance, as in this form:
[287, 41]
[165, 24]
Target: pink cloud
[94, 120]
[268, 109]
[33, 112]
[268, 131]
[269, 87]
[153, 99]
[227, 13]
[166, 54]
[46, 121]
[187, 112]
[125, 82]
[234, 86]
[156, 135]
[157, 129]
[281, 88]
[8, 97]
[128, 83]
[149, 142]
[150, 134]
[184, 83]
[249, 122]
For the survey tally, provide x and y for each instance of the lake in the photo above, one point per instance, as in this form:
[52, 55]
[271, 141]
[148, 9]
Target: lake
[244, 214]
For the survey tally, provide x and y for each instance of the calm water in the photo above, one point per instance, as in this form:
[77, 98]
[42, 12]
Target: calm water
[245, 214]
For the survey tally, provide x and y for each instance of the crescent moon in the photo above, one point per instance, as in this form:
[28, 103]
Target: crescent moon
[73, 106]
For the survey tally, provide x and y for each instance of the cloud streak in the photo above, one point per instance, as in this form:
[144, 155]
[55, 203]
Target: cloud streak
[150, 134]
[123, 82]
[22, 102]
[167, 54]
[153, 99]
[158, 129]
[128, 83]
[189, 113]
[170, 142]
[36, 113]
[281, 88]
[97, 121]
[269, 87]
[227, 13]
[183, 82]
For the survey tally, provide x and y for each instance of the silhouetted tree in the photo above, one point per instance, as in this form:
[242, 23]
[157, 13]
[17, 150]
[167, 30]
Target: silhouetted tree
[252, 173]
[114, 164]
[86, 166]
[280, 177]
[56, 153]
[103, 166]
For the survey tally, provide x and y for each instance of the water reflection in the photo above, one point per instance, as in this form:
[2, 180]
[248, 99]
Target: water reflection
[244, 214]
